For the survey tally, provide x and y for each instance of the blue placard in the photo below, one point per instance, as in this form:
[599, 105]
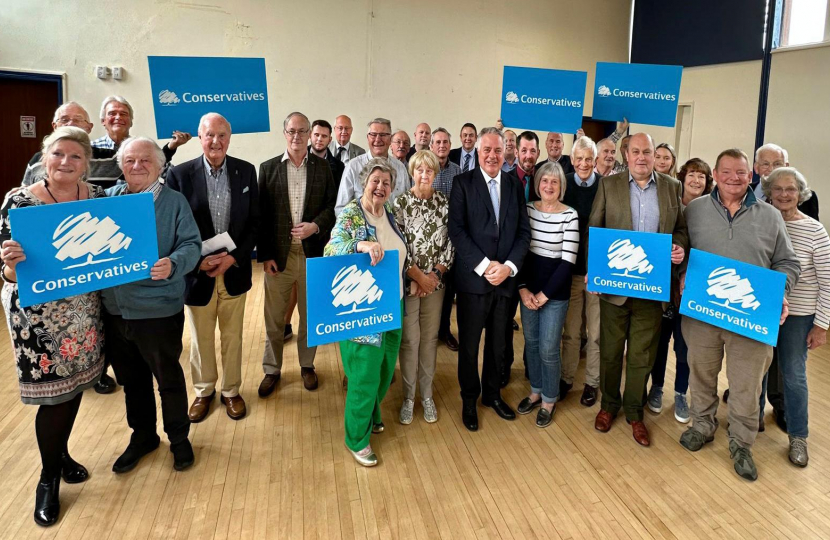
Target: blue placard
[641, 93]
[347, 297]
[724, 292]
[78, 247]
[543, 99]
[629, 263]
[185, 88]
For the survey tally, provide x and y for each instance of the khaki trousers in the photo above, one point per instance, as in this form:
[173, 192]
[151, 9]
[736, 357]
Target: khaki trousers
[419, 343]
[572, 334]
[229, 311]
[747, 362]
[277, 294]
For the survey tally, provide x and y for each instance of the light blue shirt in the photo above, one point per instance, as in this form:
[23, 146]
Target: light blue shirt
[645, 209]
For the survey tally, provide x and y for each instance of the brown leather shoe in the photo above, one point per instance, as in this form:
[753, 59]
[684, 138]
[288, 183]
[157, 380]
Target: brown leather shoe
[603, 421]
[235, 406]
[200, 408]
[640, 432]
[589, 396]
[268, 384]
[309, 378]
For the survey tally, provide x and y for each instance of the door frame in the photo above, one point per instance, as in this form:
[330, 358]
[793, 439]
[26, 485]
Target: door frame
[58, 77]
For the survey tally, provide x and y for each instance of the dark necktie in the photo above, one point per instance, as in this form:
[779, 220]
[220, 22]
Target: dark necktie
[584, 183]
[467, 160]
[340, 150]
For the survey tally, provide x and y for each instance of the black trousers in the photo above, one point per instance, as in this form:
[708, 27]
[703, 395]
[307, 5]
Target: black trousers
[476, 312]
[139, 350]
[446, 308]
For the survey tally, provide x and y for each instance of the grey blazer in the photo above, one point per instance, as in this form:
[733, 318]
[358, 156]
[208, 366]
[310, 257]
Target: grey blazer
[354, 150]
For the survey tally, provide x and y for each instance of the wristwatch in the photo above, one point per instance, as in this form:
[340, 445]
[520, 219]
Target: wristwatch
[438, 273]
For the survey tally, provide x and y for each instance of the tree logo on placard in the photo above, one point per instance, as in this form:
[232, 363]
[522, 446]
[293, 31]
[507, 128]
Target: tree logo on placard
[631, 259]
[168, 97]
[84, 236]
[604, 91]
[353, 287]
[725, 284]
[512, 97]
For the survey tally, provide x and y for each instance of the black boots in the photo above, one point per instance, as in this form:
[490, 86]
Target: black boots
[47, 505]
[72, 471]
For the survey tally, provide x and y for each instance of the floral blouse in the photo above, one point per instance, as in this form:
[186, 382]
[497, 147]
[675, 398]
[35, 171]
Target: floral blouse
[424, 224]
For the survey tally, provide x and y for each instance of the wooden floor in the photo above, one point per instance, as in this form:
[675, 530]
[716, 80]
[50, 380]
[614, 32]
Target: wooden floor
[283, 471]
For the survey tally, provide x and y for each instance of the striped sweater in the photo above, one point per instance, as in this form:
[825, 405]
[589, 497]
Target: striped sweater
[812, 292]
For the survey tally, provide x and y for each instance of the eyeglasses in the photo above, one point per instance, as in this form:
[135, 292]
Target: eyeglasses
[401, 142]
[296, 133]
[63, 120]
[789, 191]
[373, 135]
[342, 128]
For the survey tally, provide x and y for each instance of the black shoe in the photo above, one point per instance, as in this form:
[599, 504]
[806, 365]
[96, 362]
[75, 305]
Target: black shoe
[469, 416]
[289, 332]
[564, 388]
[106, 384]
[589, 396]
[780, 419]
[545, 418]
[525, 406]
[726, 396]
[133, 454]
[72, 471]
[502, 409]
[761, 425]
[505, 378]
[515, 326]
[47, 502]
[182, 455]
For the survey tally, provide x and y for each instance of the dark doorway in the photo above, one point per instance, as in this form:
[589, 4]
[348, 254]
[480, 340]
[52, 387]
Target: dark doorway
[27, 104]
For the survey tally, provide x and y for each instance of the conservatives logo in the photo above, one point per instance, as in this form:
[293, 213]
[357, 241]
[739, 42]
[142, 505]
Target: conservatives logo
[604, 91]
[167, 98]
[625, 256]
[511, 97]
[726, 285]
[353, 286]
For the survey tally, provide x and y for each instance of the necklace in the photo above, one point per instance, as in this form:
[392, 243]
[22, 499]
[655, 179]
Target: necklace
[46, 185]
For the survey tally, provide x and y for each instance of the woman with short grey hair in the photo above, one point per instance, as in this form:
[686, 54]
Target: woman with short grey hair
[809, 302]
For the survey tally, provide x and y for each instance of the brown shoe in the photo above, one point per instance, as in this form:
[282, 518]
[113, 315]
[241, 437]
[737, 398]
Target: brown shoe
[603, 421]
[309, 378]
[268, 384]
[345, 382]
[200, 408]
[235, 406]
[450, 341]
[640, 432]
[589, 396]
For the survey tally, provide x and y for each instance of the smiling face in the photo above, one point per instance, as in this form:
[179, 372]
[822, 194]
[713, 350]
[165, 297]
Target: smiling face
[784, 193]
[528, 154]
[117, 121]
[140, 166]
[215, 137]
[468, 138]
[640, 156]
[297, 134]
[378, 187]
[732, 176]
[583, 162]
[663, 161]
[554, 145]
[768, 161]
[65, 162]
[549, 188]
[73, 115]
[343, 130]
[491, 154]
[607, 154]
[694, 184]
[379, 139]
[509, 145]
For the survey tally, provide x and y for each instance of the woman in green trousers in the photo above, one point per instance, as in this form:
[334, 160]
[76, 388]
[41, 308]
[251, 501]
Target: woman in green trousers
[367, 225]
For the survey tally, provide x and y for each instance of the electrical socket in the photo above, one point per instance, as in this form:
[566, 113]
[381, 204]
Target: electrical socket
[102, 72]
[117, 73]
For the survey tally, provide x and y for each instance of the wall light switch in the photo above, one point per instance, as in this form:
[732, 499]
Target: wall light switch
[117, 73]
[102, 72]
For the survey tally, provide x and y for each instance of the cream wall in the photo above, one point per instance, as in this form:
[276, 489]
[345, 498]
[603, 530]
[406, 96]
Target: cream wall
[428, 61]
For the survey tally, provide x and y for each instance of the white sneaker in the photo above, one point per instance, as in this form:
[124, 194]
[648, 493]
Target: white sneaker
[406, 412]
[430, 411]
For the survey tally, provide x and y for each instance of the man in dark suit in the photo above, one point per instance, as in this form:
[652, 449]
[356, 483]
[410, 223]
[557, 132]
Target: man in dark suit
[466, 157]
[490, 231]
[342, 146]
[639, 199]
[554, 145]
[297, 196]
[320, 139]
[223, 195]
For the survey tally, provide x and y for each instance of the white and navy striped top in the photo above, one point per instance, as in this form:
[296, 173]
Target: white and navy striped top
[812, 292]
[554, 235]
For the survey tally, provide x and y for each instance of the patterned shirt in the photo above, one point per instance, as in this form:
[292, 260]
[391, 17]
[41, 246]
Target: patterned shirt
[219, 195]
[423, 223]
[645, 210]
[296, 190]
[443, 181]
[103, 142]
[154, 188]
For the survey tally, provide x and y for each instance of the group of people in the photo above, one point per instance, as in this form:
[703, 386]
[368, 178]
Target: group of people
[487, 226]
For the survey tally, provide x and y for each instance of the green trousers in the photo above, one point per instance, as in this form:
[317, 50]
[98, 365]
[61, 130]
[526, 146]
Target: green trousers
[636, 322]
[370, 371]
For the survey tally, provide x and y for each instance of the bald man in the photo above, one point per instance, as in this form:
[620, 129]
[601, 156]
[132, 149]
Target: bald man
[422, 137]
[342, 146]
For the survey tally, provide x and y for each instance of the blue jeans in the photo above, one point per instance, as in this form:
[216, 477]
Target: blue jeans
[792, 362]
[543, 334]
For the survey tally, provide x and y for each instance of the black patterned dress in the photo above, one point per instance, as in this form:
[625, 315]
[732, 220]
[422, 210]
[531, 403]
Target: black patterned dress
[58, 345]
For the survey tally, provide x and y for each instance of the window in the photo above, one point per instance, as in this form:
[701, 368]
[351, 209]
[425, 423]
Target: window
[802, 22]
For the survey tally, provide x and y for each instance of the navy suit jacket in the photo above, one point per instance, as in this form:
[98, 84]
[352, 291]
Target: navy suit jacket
[475, 234]
[455, 157]
[189, 179]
